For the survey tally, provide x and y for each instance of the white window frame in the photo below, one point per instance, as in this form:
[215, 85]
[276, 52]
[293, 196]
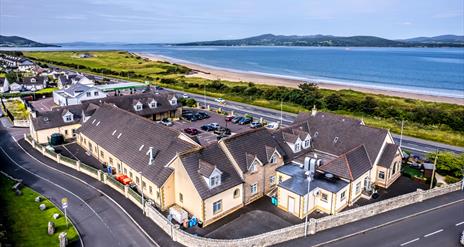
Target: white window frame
[381, 175]
[297, 147]
[343, 196]
[272, 180]
[217, 206]
[215, 181]
[254, 188]
[273, 159]
[358, 188]
[326, 197]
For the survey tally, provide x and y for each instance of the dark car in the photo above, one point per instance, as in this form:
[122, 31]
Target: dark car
[236, 119]
[244, 121]
[191, 131]
[222, 131]
[229, 118]
[207, 127]
[203, 114]
[190, 117]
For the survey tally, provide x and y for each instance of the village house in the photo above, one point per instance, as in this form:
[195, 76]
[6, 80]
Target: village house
[4, 85]
[75, 94]
[34, 83]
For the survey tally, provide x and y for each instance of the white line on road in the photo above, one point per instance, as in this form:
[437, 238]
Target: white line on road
[414, 240]
[435, 232]
[460, 223]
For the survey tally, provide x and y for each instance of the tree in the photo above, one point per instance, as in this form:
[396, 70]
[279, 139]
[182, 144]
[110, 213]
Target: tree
[308, 87]
[369, 105]
[334, 102]
[449, 163]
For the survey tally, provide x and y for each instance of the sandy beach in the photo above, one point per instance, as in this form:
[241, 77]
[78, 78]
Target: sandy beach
[222, 74]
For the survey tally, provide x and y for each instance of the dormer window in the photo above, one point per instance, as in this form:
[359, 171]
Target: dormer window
[33, 80]
[215, 181]
[273, 159]
[68, 117]
[153, 104]
[173, 101]
[253, 167]
[297, 147]
[138, 106]
[306, 144]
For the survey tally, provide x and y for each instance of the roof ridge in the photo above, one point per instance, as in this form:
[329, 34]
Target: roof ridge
[349, 168]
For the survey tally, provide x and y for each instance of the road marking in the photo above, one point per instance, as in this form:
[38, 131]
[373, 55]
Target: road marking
[435, 232]
[93, 187]
[460, 223]
[414, 240]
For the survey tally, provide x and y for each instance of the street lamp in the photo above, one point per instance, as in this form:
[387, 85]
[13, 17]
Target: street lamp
[141, 191]
[309, 178]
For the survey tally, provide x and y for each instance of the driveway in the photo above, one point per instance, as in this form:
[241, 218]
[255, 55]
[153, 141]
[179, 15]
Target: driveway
[76, 152]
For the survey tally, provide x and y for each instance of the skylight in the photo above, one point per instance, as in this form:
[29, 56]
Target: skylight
[141, 147]
[119, 135]
[114, 132]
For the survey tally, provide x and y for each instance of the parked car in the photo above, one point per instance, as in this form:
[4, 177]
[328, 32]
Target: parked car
[203, 114]
[220, 100]
[229, 118]
[166, 122]
[255, 125]
[236, 119]
[185, 96]
[215, 125]
[190, 117]
[191, 131]
[207, 127]
[272, 125]
[244, 121]
[222, 131]
[462, 238]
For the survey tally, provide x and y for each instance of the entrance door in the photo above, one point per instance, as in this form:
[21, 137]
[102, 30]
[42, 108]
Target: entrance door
[291, 205]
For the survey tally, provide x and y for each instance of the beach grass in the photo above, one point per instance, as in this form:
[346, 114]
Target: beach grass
[25, 224]
[156, 72]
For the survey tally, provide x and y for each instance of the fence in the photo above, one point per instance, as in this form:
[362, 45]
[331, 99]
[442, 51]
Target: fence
[268, 238]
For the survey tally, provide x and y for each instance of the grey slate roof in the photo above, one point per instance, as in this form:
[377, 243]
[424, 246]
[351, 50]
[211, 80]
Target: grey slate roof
[350, 165]
[337, 134]
[298, 182]
[129, 137]
[75, 89]
[127, 102]
[388, 155]
[205, 168]
[39, 80]
[54, 118]
[252, 143]
[211, 154]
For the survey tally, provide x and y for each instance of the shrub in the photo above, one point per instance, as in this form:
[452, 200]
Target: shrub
[451, 180]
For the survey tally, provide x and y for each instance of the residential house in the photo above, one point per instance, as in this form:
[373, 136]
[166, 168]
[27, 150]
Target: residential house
[75, 94]
[34, 83]
[4, 85]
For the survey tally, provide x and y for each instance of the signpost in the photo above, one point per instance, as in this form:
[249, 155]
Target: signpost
[64, 205]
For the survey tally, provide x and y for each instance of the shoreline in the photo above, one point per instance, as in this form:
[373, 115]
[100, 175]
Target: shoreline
[213, 73]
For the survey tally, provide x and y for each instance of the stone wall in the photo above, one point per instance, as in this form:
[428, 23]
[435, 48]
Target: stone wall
[277, 236]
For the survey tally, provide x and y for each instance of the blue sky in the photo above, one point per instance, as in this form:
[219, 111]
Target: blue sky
[193, 20]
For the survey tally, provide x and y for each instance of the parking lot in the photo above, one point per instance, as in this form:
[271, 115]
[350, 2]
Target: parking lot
[205, 137]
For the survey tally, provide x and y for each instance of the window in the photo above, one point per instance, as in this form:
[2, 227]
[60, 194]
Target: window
[273, 159]
[66, 132]
[214, 181]
[272, 179]
[297, 147]
[95, 94]
[254, 188]
[306, 144]
[102, 154]
[73, 132]
[324, 197]
[125, 170]
[280, 179]
[358, 187]
[217, 206]
[137, 180]
[382, 175]
[343, 196]
[157, 194]
[394, 169]
[89, 94]
[236, 193]
[253, 167]
[119, 167]
[138, 107]
[68, 118]
[181, 197]
[150, 189]
[130, 174]
[111, 161]
[144, 184]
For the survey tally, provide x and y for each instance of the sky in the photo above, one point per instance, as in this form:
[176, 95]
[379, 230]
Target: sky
[164, 21]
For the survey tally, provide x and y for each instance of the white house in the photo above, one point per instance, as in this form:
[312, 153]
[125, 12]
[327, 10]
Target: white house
[75, 94]
[4, 85]
[83, 80]
[34, 83]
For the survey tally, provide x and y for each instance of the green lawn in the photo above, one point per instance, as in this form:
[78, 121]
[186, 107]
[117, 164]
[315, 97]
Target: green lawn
[17, 108]
[46, 90]
[117, 63]
[412, 172]
[25, 224]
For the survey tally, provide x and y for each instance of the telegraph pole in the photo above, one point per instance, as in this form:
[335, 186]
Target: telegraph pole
[433, 171]
[281, 114]
[401, 135]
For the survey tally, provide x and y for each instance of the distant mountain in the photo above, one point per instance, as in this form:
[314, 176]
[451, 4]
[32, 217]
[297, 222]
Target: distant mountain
[456, 39]
[16, 41]
[86, 43]
[316, 40]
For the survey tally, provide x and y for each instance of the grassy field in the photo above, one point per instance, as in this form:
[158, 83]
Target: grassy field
[25, 224]
[46, 90]
[17, 108]
[146, 70]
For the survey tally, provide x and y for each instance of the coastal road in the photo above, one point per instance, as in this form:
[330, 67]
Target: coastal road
[416, 145]
[96, 210]
[435, 222]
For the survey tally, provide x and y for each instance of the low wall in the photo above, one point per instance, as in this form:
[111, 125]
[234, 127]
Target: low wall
[268, 238]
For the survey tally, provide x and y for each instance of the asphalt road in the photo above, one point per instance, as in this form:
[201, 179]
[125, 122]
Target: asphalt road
[415, 145]
[100, 221]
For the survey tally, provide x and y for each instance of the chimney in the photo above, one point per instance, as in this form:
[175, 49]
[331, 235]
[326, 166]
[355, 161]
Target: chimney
[314, 111]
